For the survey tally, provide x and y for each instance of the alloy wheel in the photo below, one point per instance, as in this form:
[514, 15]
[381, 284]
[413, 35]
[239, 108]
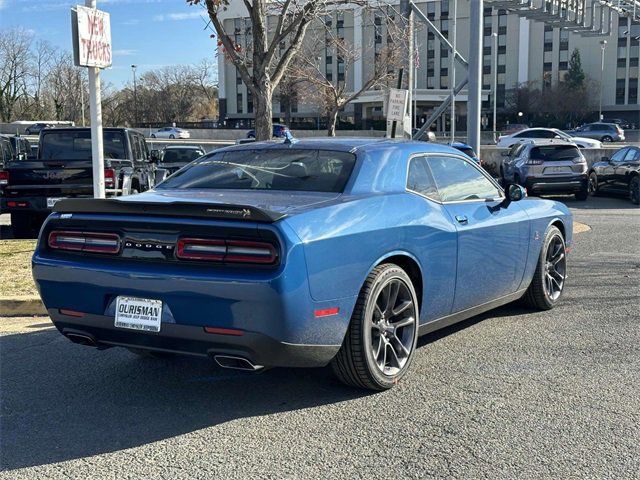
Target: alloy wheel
[393, 324]
[555, 269]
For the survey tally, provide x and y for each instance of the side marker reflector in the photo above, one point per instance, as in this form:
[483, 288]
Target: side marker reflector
[224, 331]
[326, 312]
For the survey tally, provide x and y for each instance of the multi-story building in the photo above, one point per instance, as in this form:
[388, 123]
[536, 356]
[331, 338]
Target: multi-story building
[527, 51]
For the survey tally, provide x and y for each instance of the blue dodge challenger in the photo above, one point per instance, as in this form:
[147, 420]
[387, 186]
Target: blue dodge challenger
[301, 254]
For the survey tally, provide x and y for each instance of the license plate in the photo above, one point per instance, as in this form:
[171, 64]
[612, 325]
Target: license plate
[52, 201]
[138, 314]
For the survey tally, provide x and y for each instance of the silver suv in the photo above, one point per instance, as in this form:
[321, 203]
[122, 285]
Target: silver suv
[546, 166]
[605, 132]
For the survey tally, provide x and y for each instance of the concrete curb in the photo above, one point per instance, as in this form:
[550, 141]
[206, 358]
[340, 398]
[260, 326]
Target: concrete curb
[23, 306]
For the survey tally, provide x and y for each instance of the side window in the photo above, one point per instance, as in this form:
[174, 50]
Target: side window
[587, 128]
[631, 154]
[619, 155]
[547, 134]
[515, 150]
[520, 135]
[420, 180]
[135, 146]
[458, 180]
[143, 148]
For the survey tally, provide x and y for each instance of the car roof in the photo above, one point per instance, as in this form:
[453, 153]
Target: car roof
[345, 144]
[459, 145]
[183, 147]
[106, 129]
[544, 142]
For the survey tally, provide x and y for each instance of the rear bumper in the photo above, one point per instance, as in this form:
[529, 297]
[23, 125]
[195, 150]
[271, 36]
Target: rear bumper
[39, 204]
[572, 184]
[258, 348]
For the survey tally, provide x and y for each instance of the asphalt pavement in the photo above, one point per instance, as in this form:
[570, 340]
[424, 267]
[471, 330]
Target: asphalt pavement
[510, 394]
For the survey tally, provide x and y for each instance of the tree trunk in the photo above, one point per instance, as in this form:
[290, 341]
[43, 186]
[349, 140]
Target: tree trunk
[264, 110]
[332, 120]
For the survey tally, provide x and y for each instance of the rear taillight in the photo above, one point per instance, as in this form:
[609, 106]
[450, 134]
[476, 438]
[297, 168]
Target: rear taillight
[109, 178]
[533, 161]
[4, 177]
[232, 251]
[92, 242]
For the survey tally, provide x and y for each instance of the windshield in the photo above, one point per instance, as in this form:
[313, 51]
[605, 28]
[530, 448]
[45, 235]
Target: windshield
[292, 170]
[555, 153]
[76, 145]
[180, 155]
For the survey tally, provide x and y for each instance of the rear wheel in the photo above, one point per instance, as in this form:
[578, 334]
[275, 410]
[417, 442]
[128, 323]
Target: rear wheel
[548, 281]
[607, 139]
[380, 341]
[153, 135]
[25, 225]
[634, 190]
[172, 136]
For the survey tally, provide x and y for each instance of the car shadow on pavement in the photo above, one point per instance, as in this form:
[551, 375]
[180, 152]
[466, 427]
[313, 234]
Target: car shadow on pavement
[62, 401]
[609, 201]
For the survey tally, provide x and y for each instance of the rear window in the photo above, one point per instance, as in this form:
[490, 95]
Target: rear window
[289, 170]
[555, 153]
[467, 151]
[180, 156]
[72, 145]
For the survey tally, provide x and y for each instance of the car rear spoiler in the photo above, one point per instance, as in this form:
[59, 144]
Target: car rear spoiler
[172, 209]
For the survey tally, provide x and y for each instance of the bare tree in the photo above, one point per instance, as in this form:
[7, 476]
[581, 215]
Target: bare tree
[334, 94]
[263, 61]
[15, 47]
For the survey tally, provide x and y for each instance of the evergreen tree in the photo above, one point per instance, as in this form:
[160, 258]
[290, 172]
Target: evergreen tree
[575, 79]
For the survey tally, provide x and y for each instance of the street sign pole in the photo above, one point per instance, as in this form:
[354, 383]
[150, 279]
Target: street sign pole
[95, 107]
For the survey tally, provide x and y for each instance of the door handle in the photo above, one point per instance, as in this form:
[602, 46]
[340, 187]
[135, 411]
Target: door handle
[462, 219]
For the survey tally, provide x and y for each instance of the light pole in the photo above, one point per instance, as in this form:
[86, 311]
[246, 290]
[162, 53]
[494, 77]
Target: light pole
[603, 44]
[135, 95]
[495, 83]
[452, 77]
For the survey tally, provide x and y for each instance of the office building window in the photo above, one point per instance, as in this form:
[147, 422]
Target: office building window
[239, 104]
[249, 102]
[620, 84]
[444, 8]
[633, 90]
[431, 10]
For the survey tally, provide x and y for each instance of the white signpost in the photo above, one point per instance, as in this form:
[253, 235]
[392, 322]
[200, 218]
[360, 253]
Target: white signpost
[396, 108]
[92, 49]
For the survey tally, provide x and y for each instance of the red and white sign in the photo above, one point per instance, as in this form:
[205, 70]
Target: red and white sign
[93, 37]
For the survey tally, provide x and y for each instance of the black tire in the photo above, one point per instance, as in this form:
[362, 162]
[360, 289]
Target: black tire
[153, 135]
[538, 294]
[592, 185]
[582, 195]
[634, 190]
[25, 225]
[356, 364]
[607, 139]
[142, 352]
[172, 136]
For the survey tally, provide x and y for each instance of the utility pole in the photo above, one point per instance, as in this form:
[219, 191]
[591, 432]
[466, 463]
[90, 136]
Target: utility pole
[603, 44]
[495, 84]
[95, 106]
[474, 101]
[406, 24]
[452, 77]
[135, 96]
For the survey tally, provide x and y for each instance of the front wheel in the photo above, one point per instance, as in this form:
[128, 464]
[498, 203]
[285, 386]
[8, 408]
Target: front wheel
[607, 139]
[380, 341]
[153, 135]
[548, 281]
[172, 136]
[634, 190]
[592, 186]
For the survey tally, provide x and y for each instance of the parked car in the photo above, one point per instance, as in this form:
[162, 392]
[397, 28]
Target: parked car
[279, 131]
[174, 157]
[171, 132]
[506, 141]
[467, 150]
[547, 166]
[36, 128]
[605, 132]
[64, 169]
[624, 124]
[620, 173]
[511, 128]
[301, 254]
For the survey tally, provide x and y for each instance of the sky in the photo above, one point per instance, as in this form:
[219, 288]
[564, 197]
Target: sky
[147, 33]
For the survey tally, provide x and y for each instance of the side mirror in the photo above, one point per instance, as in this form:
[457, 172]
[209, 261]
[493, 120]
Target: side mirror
[605, 159]
[516, 192]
